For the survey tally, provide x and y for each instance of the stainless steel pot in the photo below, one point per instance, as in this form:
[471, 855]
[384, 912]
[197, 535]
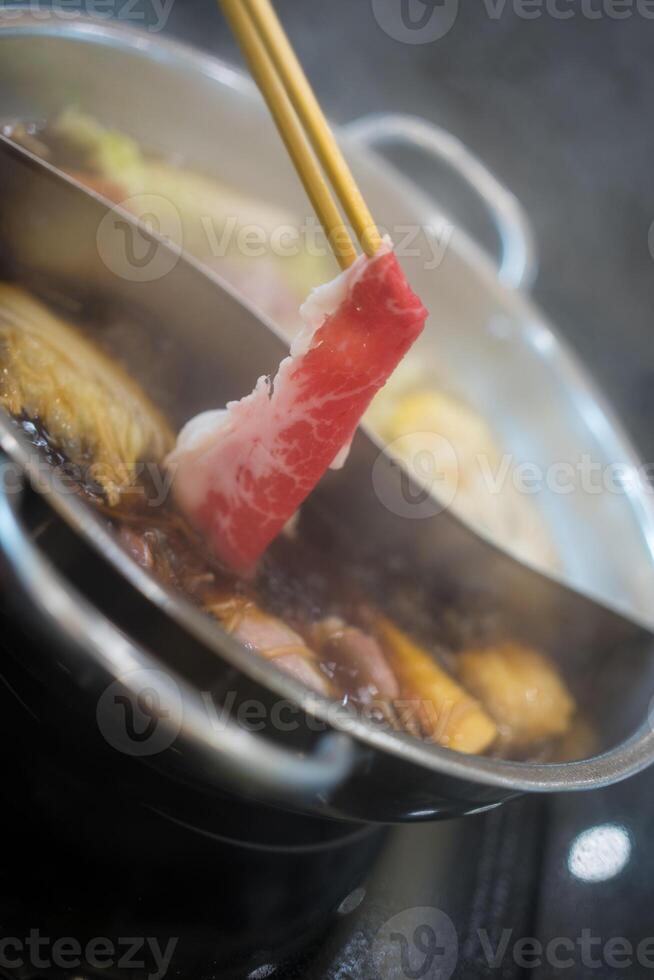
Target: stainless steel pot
[505, 358]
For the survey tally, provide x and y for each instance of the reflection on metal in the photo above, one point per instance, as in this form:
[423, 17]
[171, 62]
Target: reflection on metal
[351, 901]
[600, 853]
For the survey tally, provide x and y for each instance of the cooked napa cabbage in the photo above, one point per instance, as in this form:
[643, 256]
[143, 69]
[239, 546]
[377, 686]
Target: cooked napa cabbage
[255, 245]
[112, 154]
[89, 407]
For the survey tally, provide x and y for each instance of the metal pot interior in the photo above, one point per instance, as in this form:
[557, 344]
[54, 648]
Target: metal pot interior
[490, 344]
[210, 347]
[483, 343]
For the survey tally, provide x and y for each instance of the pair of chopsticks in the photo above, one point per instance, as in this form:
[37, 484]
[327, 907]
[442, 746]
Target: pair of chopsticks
[303, 127]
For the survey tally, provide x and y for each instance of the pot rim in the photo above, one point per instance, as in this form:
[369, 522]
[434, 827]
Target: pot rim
[627, 758]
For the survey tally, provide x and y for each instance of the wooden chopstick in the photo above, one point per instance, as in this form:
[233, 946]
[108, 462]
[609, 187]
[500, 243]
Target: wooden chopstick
[291, 131]
[302, 126]
[305, 103]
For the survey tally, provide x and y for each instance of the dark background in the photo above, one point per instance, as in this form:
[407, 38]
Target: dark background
[560, 110]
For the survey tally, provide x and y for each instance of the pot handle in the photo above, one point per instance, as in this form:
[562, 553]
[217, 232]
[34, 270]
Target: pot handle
[518, 262]
[229, 753]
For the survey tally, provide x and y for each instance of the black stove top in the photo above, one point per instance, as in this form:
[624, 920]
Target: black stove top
[534, 888]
